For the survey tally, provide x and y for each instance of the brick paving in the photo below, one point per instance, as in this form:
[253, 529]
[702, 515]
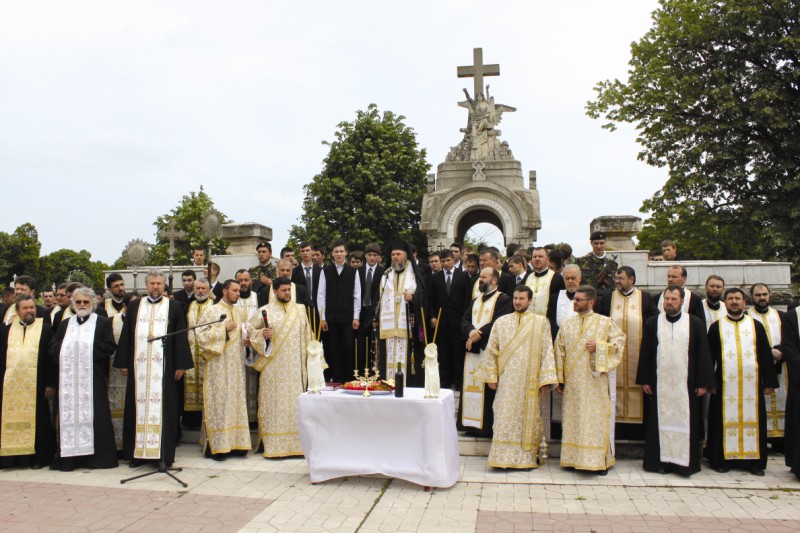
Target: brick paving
[253, 494]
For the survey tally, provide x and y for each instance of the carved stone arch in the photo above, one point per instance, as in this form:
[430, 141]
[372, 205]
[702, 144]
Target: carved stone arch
[474, 205]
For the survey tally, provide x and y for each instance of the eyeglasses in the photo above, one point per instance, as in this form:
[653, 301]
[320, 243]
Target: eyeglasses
[83, 302]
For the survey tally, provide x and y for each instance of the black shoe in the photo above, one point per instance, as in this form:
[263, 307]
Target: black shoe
[239, 453]
[602, 472]
[36, 467]
[135, 463]
[218, 456]
[757, 472]
[722, 470]
[162, 466]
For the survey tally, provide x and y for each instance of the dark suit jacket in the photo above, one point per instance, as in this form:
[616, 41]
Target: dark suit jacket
[452, 305]
[299, 278]
[503, 306]
[374, 289]
[184, 299]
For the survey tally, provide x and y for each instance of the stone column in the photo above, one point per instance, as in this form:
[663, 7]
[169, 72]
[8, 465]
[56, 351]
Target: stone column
[619, 230]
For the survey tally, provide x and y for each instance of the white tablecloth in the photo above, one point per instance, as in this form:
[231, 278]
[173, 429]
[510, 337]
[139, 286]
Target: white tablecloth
[408, 438]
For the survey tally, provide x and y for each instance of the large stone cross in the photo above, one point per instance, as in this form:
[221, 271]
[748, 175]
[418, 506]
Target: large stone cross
[478, 70]
[171, 234]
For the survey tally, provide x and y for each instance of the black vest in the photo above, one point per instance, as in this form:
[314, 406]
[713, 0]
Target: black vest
[339, 294]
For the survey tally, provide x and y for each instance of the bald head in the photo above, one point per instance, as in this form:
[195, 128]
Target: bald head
[285, 268]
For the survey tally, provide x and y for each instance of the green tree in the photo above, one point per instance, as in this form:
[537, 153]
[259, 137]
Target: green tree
[188, 217]
[371, 185]
[19, 253]
[65, 265]
[714, 92]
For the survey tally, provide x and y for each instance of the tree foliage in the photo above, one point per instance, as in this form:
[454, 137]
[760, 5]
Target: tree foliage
[188, 217]
[714, 92]
[19, 253]
[371, 185]
[65, 265]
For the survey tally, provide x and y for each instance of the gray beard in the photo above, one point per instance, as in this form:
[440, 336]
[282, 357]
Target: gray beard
[83, 313]
[200, 299]
[397, 267]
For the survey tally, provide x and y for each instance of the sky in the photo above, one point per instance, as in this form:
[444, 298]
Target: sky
[110, 112]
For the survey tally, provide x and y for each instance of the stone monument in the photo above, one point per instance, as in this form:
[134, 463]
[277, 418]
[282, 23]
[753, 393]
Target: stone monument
[480, 181]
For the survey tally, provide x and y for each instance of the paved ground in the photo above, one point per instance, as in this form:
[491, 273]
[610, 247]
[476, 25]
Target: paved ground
[255, 494]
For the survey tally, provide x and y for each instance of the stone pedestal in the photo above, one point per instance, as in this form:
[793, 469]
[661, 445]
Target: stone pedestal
[244, 237]
[619, 230]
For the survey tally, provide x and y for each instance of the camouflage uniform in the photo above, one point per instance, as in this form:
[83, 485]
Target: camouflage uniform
[592, 267]
[270, 270]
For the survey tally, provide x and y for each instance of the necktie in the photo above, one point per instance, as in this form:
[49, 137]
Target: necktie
[308, 279]
[448, 282]
[368, 289]
[519, 280]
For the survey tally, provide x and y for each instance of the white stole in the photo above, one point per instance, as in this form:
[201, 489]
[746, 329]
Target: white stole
[564, 307]
[540, 285]
[148, 368]
[672, 392]
[711, 314]
[739, 389]
[76, 388]
[474, 389]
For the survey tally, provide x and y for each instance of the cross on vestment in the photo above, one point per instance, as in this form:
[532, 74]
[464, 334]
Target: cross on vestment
[171, 234]
[478, 70]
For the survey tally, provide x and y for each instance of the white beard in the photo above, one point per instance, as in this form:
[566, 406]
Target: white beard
[83, 313]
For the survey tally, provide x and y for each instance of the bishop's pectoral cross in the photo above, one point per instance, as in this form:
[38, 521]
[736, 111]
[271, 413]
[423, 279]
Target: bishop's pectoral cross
[478, 70]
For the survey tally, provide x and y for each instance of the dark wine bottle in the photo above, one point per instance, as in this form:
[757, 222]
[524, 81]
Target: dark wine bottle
[398, 382]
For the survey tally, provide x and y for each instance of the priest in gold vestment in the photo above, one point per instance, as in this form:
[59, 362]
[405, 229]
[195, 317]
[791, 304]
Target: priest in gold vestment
[280, 342]
[225, 428]
[588, 346]
[27, 375]
[629, 308]
[193, 379]
[519, 364]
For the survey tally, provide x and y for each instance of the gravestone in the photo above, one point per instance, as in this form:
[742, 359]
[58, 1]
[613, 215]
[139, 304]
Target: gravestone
[480, 181]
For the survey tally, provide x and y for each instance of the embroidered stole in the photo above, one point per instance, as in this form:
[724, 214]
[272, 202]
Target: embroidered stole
[281, 318]
[672, 392]
[18, 431]
[626, 311]
[393, 308]
[474, 389]
[76, 388]
[148, 368]
[540, 285]
[193, 378]
[110, 309]
[711, 314]
[775, 402]
[249, 308]
[739, 389]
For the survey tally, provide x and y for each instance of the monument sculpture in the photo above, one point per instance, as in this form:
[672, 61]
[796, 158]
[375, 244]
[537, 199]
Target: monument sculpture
[480, 181]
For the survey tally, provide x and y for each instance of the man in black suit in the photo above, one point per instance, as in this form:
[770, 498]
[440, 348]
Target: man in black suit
[339, 305]
[371, 277]
[307, 273]
[450, 294]
[185, 296]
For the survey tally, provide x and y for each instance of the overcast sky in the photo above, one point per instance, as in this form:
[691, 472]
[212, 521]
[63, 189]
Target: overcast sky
[111, 111]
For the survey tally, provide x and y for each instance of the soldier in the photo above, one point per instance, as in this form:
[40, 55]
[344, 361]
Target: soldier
[597, 268]
[265, 271]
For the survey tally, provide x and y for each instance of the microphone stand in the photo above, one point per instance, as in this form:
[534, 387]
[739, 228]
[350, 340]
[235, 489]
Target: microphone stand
[161, 467]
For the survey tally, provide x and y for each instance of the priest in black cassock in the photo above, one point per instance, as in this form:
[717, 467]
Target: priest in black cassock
[745, 372]
[82, 348]
[150, 426]
[675, 370]
[27, 375]
[475, 414]
[790, 350]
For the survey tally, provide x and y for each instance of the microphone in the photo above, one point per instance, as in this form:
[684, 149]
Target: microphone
[222, 317]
